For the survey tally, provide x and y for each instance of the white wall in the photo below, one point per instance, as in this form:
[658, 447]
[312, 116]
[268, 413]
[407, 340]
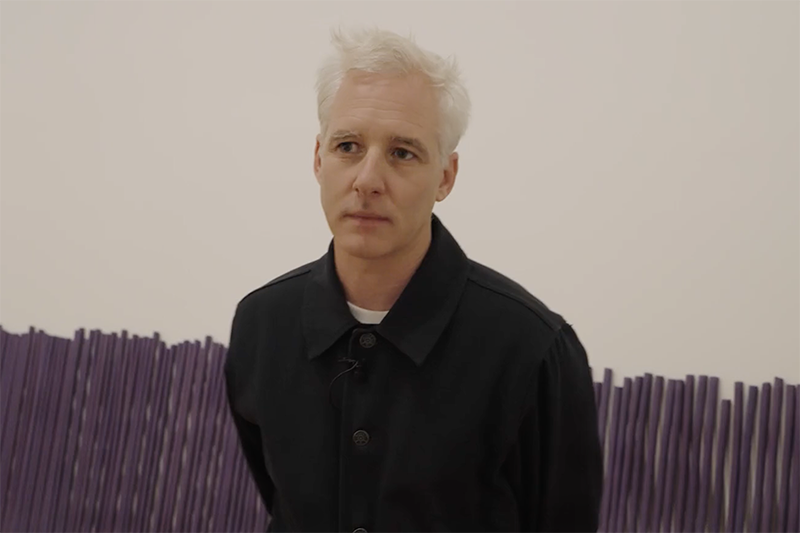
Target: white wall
[634, 165]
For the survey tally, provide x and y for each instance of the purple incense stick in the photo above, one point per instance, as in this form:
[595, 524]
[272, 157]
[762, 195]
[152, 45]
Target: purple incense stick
[693, 470]
[763, 425]
[793, 523]
[620, 453]
[744, 461]
[674, 431]
[768, 502]
[64, 420]
[605, 395]
[719, 482]
[605, 507]
[627, 458]
[650, 459]
[709, 425]
[736, 453]
[788, 430]
[661, 477]
[635, 503]
[683, 453]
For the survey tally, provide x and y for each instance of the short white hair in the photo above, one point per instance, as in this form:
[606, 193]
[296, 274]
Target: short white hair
[380, 51]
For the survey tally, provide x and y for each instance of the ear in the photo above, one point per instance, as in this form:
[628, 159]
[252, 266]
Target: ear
[317, 159]
[449, 173]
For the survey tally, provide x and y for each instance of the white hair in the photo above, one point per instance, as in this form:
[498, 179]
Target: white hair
[381, 51]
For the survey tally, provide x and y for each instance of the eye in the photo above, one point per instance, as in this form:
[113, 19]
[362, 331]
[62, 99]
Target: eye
[404, 154]
[347, 147]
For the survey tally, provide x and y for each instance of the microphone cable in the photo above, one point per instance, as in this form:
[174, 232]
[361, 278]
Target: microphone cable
[354, 364]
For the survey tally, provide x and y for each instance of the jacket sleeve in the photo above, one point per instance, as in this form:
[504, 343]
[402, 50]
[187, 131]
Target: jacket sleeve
[248, 432]
[558, 454]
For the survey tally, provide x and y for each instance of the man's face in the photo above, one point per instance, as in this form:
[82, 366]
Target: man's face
[380, 157]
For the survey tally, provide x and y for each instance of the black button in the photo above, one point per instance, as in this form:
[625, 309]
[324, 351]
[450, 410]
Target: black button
[360, 530]
[361, 437]
[367, 340]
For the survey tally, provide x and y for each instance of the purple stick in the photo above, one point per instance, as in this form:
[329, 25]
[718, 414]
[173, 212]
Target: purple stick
[13, 388]
[744, 461]
[620, 453]
[194, 464]
[639, 450]
[133, 446]
[230, 456]
[794, 496]
[763, 425]
[672, 453]
[172, 450]
[35, 395]
[736, 454]
[52, 432]
[650, 460]
[602, 415]
[210, 493]
[660, 481]
[33, 399]
[71, 453]
[627, 458]
[86, 438]
[112, 419]
[135, 516]
[719, 481]
[180, 442]
[105, 397]
[205, 435]
[605, 508]
[768, 504]
[4, 336]
[185, 444]
[64, 420]
[683, 453]
[688, 519]
[14, 358]
[788, 429]
[153, 430]
[709, 425]
[126, 370]
[207, 496]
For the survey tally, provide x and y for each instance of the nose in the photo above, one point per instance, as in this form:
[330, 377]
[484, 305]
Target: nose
[370, 174]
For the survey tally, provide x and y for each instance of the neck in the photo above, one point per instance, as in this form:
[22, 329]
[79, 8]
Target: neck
[377, 283]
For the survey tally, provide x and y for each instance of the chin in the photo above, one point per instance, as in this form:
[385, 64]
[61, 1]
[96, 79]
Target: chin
[362, 246]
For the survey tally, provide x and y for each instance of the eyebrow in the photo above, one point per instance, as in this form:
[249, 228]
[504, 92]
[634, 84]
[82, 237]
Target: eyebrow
[341, 135]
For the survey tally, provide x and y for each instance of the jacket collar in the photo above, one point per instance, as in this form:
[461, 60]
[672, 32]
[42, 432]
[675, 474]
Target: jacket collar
[414, 323]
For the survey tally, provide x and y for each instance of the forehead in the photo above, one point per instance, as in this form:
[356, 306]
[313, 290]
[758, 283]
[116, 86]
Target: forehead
[382, 104]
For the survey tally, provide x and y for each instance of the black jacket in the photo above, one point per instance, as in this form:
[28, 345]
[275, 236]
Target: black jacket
[469, 408]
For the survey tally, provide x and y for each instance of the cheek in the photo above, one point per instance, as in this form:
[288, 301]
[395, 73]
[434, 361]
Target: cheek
[420, 192]
[333, 188]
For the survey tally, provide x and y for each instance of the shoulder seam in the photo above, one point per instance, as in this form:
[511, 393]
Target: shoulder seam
[300, 271]
[291, 275]
[552, 324]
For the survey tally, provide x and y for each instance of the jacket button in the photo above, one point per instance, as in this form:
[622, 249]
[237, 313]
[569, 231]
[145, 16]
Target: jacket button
[361, 437]
[360, 530]
[367, 340]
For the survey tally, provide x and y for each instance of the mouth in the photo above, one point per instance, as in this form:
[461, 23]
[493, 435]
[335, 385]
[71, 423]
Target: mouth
[366, 218]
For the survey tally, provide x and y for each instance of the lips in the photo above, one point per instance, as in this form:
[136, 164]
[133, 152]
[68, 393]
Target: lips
[367, 217]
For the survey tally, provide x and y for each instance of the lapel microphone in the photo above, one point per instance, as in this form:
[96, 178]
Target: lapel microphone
[356, 365]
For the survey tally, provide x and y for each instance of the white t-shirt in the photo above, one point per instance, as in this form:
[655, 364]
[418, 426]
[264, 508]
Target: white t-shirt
[365, 316]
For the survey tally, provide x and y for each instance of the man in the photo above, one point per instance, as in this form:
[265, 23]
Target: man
[394, 384]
